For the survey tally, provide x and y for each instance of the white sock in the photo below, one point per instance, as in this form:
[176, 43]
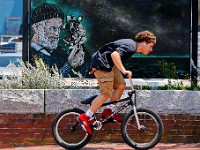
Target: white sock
[89, 113]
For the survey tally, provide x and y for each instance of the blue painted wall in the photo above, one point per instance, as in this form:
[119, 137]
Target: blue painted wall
[9, 8]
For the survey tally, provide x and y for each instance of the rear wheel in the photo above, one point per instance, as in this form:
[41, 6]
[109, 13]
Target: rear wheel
[68, 132]
[150, 133]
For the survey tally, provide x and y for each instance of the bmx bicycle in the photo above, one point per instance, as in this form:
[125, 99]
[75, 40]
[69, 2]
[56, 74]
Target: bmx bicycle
[141, 128]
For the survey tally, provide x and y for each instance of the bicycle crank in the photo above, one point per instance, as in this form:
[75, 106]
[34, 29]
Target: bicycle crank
[97, 125]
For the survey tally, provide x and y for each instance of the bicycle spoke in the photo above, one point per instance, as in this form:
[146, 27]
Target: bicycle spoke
[68, 132]
[149, 134]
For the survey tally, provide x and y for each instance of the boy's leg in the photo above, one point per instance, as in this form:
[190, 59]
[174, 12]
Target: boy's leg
[105, 81]
[119, 85]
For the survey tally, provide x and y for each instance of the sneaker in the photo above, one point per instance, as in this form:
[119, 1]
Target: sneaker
[106, 112]
[84, 120]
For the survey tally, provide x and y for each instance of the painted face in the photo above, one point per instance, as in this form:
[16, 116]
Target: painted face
[147, 47]
[49, 31]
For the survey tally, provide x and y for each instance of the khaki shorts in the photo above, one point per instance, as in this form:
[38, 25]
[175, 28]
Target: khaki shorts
[109, 80]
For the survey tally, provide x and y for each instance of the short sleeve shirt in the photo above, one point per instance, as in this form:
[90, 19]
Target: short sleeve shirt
[102, 58]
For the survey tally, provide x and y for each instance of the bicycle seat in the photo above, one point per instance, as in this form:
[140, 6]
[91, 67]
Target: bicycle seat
[89, 100]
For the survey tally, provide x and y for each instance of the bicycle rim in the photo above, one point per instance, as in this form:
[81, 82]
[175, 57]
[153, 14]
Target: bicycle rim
[68, 132]
[146, 138]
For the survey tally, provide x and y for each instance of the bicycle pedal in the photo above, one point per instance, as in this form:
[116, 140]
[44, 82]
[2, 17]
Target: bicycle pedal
[111, 120]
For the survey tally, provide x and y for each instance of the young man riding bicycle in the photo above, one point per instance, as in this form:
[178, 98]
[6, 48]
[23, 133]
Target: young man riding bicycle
[108, 69]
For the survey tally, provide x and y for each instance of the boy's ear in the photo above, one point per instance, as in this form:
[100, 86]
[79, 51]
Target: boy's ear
[144, 43]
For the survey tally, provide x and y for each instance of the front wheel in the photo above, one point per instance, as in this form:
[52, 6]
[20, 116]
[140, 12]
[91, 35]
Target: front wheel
[68, 132]
[149, 134]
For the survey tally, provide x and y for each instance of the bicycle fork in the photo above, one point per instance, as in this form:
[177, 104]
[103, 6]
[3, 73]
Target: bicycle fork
[137, 119]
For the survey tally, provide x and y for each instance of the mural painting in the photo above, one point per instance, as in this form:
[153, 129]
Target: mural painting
[47, 21]
[66, 33]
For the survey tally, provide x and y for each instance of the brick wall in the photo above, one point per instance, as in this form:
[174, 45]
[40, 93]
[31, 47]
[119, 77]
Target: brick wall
[35, 129]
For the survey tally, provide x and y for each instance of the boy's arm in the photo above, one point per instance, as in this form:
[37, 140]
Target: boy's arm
[118, 63]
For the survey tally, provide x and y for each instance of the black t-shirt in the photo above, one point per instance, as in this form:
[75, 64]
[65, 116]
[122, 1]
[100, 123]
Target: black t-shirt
[102, 58]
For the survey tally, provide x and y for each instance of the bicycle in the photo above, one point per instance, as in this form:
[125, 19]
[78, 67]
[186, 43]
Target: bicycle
[141, 128]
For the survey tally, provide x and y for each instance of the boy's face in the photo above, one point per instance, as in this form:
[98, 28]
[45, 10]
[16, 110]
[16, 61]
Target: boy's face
[147, 47]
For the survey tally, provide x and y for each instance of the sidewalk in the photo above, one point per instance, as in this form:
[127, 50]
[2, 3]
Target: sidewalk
[118, 146]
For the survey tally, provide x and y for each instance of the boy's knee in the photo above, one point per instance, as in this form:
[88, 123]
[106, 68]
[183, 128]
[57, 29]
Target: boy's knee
[107, 95]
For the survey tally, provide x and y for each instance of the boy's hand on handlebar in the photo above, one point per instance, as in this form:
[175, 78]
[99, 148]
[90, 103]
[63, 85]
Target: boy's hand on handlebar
[128, 73]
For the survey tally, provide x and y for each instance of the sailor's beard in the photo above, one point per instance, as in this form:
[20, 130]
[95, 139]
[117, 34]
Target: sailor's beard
[49, 42]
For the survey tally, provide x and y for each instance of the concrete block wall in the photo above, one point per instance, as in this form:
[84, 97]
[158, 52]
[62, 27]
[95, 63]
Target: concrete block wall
[22, 101]
[163, 102]
[54, 101]
[26, 116]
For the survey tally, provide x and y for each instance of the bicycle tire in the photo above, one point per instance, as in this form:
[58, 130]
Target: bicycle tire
[68, 132]
[151, 133]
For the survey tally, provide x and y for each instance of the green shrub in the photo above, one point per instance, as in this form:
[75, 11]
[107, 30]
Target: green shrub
[39, 76]
[167, 69]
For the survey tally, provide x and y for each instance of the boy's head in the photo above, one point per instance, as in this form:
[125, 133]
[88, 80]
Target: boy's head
[146, 36]
[145, 42]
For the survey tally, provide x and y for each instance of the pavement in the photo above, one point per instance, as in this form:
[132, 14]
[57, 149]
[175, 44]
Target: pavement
[115, 146]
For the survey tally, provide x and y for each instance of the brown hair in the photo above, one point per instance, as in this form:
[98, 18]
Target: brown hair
[146, 36]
